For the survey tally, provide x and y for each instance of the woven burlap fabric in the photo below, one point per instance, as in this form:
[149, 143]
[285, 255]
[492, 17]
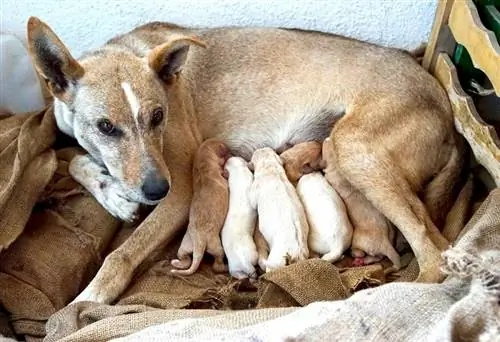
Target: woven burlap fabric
[396, 311]
[27, 163]
[54, 232]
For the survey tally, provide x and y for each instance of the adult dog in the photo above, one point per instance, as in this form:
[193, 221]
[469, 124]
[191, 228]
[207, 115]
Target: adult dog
[142, 104]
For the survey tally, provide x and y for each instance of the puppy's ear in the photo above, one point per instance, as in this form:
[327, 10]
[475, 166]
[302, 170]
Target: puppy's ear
[168, 59]
[52, 59]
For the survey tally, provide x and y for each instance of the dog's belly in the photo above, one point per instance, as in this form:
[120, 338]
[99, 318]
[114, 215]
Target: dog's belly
[268, 132]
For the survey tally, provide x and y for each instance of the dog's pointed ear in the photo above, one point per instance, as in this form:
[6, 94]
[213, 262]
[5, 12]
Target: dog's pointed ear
[52, 59]
[168, 59]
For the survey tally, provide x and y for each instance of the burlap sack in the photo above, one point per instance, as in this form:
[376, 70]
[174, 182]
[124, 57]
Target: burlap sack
[63, 236]
[27, 165]
[466, 305]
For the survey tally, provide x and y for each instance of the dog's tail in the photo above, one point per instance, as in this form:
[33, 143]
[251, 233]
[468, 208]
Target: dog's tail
[442, 190]
[198, 252]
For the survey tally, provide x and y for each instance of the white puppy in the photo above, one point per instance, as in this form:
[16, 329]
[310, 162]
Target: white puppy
[330, 231]
[282, 219]
[237, 232]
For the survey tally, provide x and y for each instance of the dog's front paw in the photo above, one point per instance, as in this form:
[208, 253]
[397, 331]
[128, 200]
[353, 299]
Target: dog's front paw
[105, 189]
[114, 201]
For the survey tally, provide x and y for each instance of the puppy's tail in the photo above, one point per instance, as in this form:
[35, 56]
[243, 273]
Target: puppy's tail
[198, 252]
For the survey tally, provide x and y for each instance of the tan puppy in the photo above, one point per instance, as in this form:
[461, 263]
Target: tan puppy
[282, 220]
[372, 233]
[262, 248]
[142, 104]
[330, 231]
[208, 211]
[301, 159]
[238, 230]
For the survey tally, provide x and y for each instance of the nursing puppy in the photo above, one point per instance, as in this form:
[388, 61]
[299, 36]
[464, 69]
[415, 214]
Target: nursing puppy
[301, 159]
[282, 220]
[330, 231]
[372, 232]
[208, 210]
[238, 230]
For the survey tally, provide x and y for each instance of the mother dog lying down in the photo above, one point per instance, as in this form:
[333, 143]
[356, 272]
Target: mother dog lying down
[142, 104]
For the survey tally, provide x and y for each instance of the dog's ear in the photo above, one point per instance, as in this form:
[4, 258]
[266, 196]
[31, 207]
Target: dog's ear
[167, 59]
[250, 166]
[52, 59]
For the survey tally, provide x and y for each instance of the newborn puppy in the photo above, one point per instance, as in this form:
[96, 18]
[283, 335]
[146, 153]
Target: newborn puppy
[373, 233]
[208, 210]
[330, 231]
[237, 232]
[282, 220]
[301, 159]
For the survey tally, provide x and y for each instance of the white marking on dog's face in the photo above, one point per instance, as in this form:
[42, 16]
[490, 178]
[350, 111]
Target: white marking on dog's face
[133, 101]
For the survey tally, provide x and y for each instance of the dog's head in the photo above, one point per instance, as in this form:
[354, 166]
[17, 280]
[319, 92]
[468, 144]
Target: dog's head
[114, 102]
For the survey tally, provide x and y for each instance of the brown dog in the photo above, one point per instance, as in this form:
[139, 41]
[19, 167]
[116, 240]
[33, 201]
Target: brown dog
[208, 209]
[372, 233]
[301, 159]
[141, 105]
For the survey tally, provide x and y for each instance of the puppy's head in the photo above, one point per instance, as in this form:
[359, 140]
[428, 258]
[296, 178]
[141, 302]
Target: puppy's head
[264, 156]
[114, 102]
[302, 159]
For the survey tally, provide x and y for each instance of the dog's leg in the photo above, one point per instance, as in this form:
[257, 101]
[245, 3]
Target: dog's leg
[105, 189]
[159, 228]
[380, 181]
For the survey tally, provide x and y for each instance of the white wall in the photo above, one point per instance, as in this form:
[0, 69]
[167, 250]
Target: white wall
[84, 24]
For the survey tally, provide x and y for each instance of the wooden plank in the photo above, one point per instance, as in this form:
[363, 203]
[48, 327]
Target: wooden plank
[481, 137]
[440, 21]
[481, 43]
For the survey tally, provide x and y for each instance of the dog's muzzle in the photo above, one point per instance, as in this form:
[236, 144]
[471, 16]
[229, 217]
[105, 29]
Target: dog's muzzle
[155, 187]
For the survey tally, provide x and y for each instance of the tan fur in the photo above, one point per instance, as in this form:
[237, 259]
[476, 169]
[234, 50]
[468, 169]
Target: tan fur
[208, 210]
[392, 124]
[301, 159]
[372, 234]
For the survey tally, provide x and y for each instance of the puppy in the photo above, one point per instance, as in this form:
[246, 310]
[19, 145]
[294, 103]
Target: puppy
[282, 220]
[237, 232]
[301, 159]
[208, 210]
[372, 232]
[330, 231]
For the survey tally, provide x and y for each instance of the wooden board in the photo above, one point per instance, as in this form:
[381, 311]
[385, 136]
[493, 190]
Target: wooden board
[440, 21]
[481, 137]
[482, 45]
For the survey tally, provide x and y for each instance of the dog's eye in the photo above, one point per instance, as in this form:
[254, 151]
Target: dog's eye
[106, 127]
[157, 117]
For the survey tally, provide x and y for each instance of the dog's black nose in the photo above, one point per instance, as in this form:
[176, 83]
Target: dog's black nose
[155, 187]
